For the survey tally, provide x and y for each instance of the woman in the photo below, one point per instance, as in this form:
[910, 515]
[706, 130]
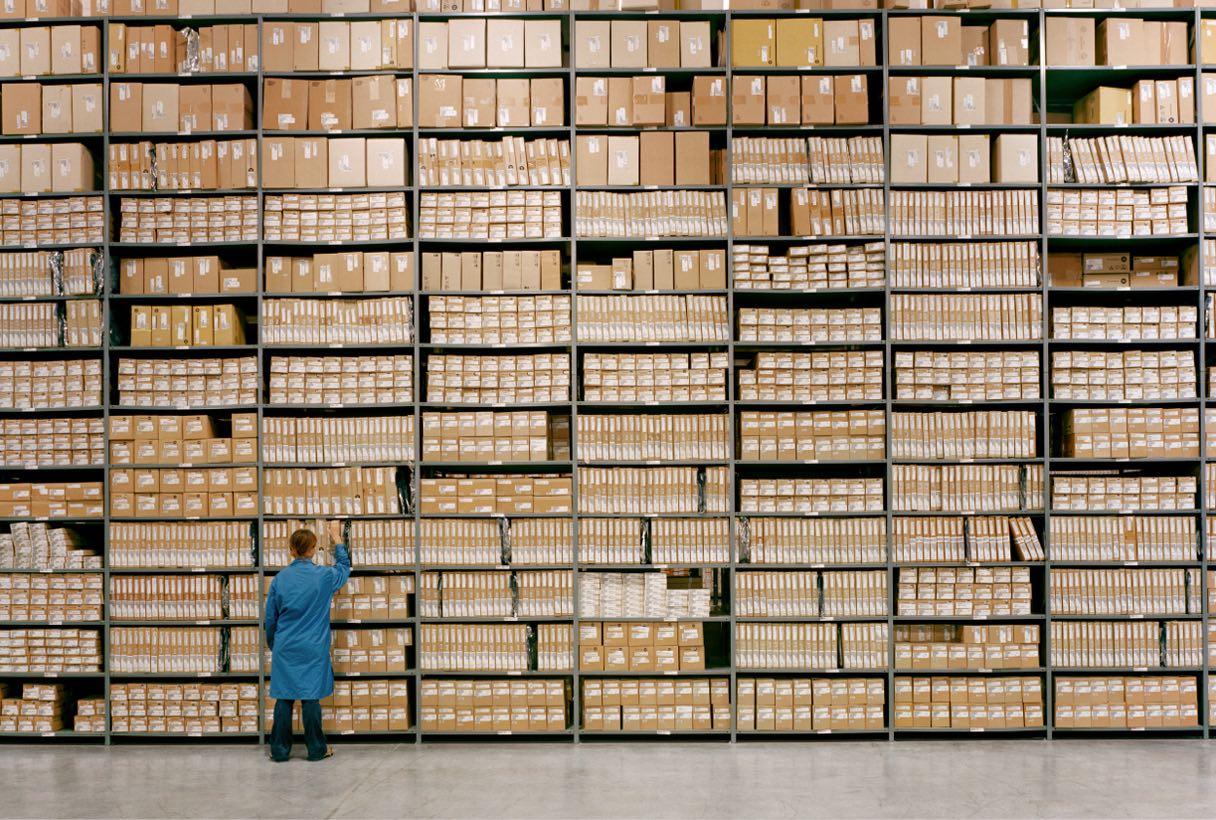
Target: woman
[297, 632]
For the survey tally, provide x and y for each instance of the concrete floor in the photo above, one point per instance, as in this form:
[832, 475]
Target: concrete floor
[936, 779]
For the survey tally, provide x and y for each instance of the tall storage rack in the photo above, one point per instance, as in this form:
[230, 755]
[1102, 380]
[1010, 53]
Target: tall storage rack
[1054, 88]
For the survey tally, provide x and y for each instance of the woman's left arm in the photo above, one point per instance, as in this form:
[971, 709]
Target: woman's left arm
[341, 567]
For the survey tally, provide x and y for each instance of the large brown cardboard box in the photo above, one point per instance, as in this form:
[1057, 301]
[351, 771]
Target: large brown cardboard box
[285, 105]
[784, 100]
[347, 163]
[937, 101]
[466, 44]
[622, 160]
[1070, 41]
[432, 45]
[592, 44]
[543, 43]
[591, 101]
[71, 168]
[386, 162]
[480, 97]
[908, 159]
[36, 50]
[1009, 42]
[818, 101]
[329, 105]
[1015, 158]
[709, 100]
[513, 105]
[799, 42]
[747, 100]
[695, 48]
[1120, 41]
[620, 101]
[905, 100]
[22, 108]
[649, 104]
[231, 107]
[278, 46]
[852, 99]
[941, 41]
[373, 102]
[973, 159]
[66, 54]
[306, 53]
[366, 48]
[160, 107]
[629, 44]
[970, 107]
[663, 43]
[942, 159]
[36, 167]
[405, 102]
[10, 52]
[87, 108]
[841, 43]
[752, 42]
[1104, 105]
[548, 101]
[505, 43]
[591, 159]
[692, 157]
[194, 107]
[658, 158]
[904, 36]
[57, 109]
[311, 158]
[10, 172]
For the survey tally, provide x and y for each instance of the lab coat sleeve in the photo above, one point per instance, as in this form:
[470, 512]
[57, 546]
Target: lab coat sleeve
[272, 614]
[341, 568]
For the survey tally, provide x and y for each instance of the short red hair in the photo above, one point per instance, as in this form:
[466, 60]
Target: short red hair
[302, 543]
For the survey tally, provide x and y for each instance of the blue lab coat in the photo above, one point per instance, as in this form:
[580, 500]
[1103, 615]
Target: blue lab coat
[297, 627]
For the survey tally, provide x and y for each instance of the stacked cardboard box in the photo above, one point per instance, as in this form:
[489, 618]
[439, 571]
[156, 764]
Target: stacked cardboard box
[493, 271]
[194, 165]
[360, 322]
[838, 99]
[171, 108]
[335, 217]
[1133, 432]
[964, 592]
[649, 705]
[72, 220]
[494, 43]
[957, 540]
[1123, 374]
[966, 376]
[1125, 324]
[505, 162]
[50, 442]
[374, 101]
[825, 541]
[1119, 538]
[966, 101]
[494, 705]
[1126, 702]
[193, 493]
[34, 108]
[809, 495]
[959, 265]
[495, 437]
[373, 598]
[51, 598]
[840, 375]
[663, 595]
[654, 377]
[160, 49]
[844, 435]
[808, 267]
[779, 324]
[965, 435]
[1117, 41]
[341, 380]
[182, 440]
[40, 709]
[60, 167]
[979, 647]
[187, 221]
[183, 544]
[371, 651]
[810, 704]
[90, 715]
[336, 45]
[183, 326]
[1125, 591]
[528, 214]
[967, 488]
[187, 383]
[50, 650]
[474, 647]
[544, 494]
[77, 500]
[1148, 102]
[972, 317]
[971, 159]
[346, 272]
[489, 380]
[183, 275]
[452, 101]
[1129, 491]
[968, 703]
[1121, 270]
[334, 162]
[644, 100]
[630, 437]
[1117, 212]
[38, 546]
[945, 41]
[339, 491]
[642, 44]
[653, 158]
[615, 646]
[192, 709]
[657, 270]
[810, 646]
[50, 50]
[328, 440]
[652, 318]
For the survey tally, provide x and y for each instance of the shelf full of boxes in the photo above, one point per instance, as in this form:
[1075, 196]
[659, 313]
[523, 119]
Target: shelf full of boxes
[834, 372]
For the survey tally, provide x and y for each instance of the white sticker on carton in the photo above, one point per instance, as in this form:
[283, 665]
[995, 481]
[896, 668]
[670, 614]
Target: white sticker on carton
[593, 44]
[856, 83]
[632, 43]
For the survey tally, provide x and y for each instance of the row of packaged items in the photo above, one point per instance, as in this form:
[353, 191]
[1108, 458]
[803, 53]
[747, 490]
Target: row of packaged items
[780, 324]
[807, 594]
[1129, 702]
[384, 543]
[220, 492]
[839, 375]
[654, 377]
[663, 269]
[184, 649]
[811, 646]
[493, 705]
[656, 705]
[838, 435]
[1126, 591]
[201, 164]
[965, 435]
[495, 436]
[375, 101]
[980, 647]
[30, 222]
[73, 272]
[821, 160]
[345, 272]
[182, 440]
[326, 440]
[806, 212]
[971, 539]
[1121, 159]
[184, 598]
[1125, 324]
[500, 320]
[33, 545]
[46, 442]
[810, 495]
[522, 494]
[639, 214]
[964, 591]
[161, 49]
[1123, 538]
[1106, 644]
[1119, 493]
[335, 217]
[540, 594]
[1132, 432]
[959, 101]
[495, 647]
[967, 488]
[663, 594]
[1117, 212]
[637, 490]
[345, 162]
[947, 375]
[51, 598]
[971, 159]
[967, 703]
[810, 704]
[642, 647]
[971, 317]
[652, 437]
[946, 41]
[79, 500]
[173, 107]
[1123, 374]
[650, 318]
[961, 265]
[505, 162]
[488, 380]
[332, 491]
[186, 326]
[512, 214]
[652, 158]
[341, 380]
[337, 45]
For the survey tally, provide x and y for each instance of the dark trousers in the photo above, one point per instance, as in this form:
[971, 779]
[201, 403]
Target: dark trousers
[280, 735]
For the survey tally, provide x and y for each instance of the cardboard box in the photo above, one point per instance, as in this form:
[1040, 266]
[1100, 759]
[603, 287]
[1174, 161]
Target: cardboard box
[285, 104]
[753, 42]
[22, 108]
[909, 158]
[1015, 158]
[329, 105]
[1070, 41]
[1105, 105]
[1121, 41]
[904, 41]
[973, 159]
[941, 41]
